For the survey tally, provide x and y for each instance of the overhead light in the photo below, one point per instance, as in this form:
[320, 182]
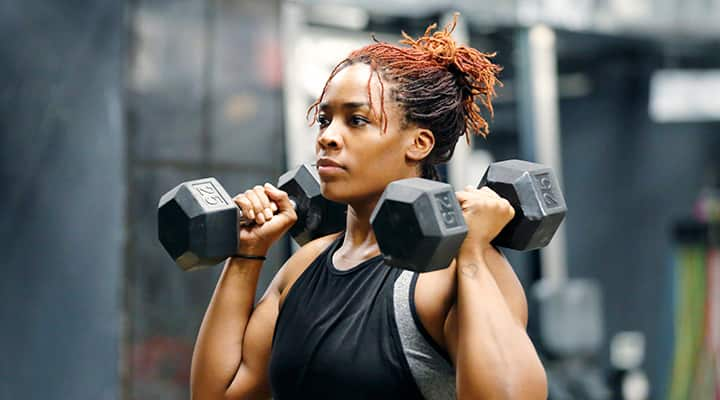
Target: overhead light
[340, 16]
[684, 95]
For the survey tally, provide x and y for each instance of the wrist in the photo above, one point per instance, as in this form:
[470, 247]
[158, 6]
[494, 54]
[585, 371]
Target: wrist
[252, 251]
[474, 250]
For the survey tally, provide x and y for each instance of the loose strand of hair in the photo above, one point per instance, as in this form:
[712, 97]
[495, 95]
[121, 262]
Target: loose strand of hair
[314, 107]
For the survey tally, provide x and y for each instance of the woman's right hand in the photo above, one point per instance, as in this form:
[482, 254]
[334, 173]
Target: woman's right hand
[273, 215]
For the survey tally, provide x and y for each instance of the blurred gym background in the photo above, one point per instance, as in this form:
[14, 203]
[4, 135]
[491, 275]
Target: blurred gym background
[105, 105]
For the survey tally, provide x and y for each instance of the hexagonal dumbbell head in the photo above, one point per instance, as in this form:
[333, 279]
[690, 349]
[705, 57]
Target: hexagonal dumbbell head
[534, 193]
[418, 224]
[317, 216]
[197, 223]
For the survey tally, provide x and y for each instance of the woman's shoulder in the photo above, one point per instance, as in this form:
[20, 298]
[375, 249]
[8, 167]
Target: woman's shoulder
[436, 293]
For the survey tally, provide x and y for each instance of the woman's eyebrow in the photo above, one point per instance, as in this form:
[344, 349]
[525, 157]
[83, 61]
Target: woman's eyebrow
[346, 105]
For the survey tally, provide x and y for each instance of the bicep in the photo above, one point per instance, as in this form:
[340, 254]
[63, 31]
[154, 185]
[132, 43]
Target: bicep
[511, 290]
[252, 379]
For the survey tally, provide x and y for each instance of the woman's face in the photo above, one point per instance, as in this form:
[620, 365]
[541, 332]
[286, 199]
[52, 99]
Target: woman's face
[356, 159]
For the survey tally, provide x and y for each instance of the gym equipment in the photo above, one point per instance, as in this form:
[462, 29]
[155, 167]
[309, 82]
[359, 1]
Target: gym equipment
[419, 225]
[533, 191]
[570, 337]
[198, 221]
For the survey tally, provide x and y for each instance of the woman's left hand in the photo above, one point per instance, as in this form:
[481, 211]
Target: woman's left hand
[485, 212]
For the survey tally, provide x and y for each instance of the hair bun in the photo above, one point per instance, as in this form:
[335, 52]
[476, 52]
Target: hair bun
[476, 73]
[440, 45]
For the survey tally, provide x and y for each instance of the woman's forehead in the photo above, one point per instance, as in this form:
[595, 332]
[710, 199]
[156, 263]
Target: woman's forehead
[350, 84]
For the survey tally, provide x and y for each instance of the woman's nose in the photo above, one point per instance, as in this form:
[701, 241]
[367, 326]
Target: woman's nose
[330, 137]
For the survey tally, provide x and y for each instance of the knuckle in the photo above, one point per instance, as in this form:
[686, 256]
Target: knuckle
[488, 191]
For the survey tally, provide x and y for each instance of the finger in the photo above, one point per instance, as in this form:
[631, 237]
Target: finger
[509, 207]
[469, 188]
[461, 195]
[257, 206]
[267, 211]
[279, 197]
[245, 206]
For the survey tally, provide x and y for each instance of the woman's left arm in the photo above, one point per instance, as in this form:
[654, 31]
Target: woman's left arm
[485, 329]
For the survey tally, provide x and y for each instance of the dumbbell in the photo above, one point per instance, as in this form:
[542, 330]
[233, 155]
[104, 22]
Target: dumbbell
[198, 221]
[419, 224]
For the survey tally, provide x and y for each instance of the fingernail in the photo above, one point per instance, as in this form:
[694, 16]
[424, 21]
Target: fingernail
[273, 207]
[260, 218]
[251, 214]
[268, 213]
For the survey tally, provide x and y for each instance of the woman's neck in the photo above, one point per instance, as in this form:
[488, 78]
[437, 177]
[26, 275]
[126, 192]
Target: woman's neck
[359, 243]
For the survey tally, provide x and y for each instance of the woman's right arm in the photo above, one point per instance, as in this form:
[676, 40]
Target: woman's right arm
[233, 344]
[232, 349]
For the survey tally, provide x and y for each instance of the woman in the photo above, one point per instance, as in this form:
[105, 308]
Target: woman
[336, 322]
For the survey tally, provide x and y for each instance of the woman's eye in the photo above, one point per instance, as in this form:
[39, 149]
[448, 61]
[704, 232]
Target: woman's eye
[357, 120]
[322, 121]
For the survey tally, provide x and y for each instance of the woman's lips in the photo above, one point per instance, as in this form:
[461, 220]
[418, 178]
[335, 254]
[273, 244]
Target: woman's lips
[329, 170]
[329, 167]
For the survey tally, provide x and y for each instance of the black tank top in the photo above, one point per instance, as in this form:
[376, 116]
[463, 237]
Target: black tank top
[335, 336]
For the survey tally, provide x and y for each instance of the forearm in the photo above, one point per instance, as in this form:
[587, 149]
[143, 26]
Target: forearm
[218, 349]
[495, 357]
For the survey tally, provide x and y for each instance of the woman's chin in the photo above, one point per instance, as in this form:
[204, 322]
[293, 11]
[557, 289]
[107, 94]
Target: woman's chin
[337, 191]
[334, 195]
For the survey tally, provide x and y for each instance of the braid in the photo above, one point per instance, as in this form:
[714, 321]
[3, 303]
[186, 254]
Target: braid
[430, 172]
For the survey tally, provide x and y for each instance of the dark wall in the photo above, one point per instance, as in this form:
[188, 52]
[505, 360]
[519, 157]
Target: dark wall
[62, 223]
[627, 180]
[204, 99]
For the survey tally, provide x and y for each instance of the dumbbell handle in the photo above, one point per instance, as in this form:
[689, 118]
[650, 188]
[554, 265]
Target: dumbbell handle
[244, 221]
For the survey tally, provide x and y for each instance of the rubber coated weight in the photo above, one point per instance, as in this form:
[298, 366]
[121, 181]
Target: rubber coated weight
[418, 224]
[533, 191]
[317, 216]
[198, 221]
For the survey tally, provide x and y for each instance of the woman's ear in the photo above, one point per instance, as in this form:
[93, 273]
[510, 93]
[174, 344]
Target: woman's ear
[422, 144]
